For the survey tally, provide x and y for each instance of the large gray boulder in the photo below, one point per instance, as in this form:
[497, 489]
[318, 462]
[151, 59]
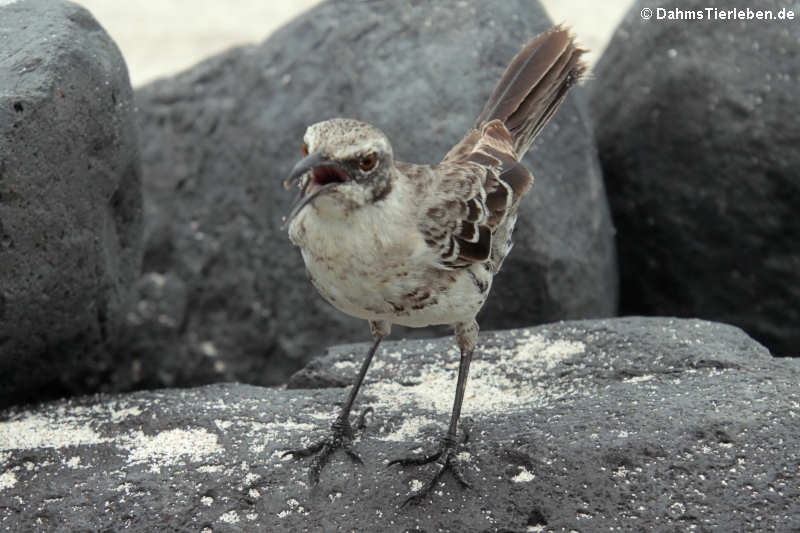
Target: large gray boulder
[613, 425]
[697, 130]
[219, 139]
[70, 200]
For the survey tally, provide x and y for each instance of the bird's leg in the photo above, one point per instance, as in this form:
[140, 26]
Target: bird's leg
[341, 435]
[445, 457]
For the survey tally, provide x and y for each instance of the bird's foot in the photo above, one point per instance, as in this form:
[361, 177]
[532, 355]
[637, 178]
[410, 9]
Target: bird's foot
[341, 436]
[446, 458]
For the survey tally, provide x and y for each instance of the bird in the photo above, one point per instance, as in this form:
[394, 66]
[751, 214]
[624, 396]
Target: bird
[418, 245]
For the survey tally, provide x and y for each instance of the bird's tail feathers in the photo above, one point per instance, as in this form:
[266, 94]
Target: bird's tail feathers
[534, 85]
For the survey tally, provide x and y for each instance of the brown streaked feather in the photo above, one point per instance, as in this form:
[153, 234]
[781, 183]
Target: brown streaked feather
[478, 251]
[480, 181]
[533, 86]
[450, 254]
[498, 199]
[464, 148]
[473, 196]
[509, 180]
[483, 159]
[454, 204]
[529, 91]
[463, 228]
[496, 133]
[523, 75]
[518, 178]
[475, 210]
[468, 232]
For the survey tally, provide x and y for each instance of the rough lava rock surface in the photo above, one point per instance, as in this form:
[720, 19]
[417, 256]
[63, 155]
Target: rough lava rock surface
[70, 200]
[219, 139]
[626, 424]
[697, 130]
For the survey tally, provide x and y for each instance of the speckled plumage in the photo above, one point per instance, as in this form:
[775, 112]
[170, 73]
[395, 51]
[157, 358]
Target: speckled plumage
[427, 252]
[418, 245]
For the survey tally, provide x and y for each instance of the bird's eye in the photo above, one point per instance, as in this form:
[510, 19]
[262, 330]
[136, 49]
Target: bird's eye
[368, 162]
[304, 149]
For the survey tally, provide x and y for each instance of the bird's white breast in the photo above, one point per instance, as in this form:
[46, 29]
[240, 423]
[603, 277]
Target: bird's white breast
[372, 262]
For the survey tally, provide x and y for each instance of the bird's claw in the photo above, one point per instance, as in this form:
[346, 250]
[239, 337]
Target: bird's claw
[361, 423]
[445, 458]
[341, 436]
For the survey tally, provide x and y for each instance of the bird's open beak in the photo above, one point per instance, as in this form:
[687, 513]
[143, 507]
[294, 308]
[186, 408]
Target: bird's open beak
[303, 166]
[324, 176]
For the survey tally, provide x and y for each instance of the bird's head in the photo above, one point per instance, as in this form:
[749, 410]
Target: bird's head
[347, 164]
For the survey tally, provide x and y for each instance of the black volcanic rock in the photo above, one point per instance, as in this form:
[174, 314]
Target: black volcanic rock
[70, 200]
[697, 128]
[219, 139]
[625, 425]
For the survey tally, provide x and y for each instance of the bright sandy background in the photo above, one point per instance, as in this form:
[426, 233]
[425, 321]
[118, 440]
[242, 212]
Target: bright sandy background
[161, 37]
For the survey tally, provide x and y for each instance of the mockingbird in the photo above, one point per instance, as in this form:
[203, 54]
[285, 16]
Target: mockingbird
[418, 245]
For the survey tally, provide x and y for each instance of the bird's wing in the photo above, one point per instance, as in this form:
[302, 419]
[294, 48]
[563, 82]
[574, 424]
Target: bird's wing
[476, 188]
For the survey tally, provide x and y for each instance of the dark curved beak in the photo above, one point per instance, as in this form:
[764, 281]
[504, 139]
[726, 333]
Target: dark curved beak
[304, 165]
[307, 164]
